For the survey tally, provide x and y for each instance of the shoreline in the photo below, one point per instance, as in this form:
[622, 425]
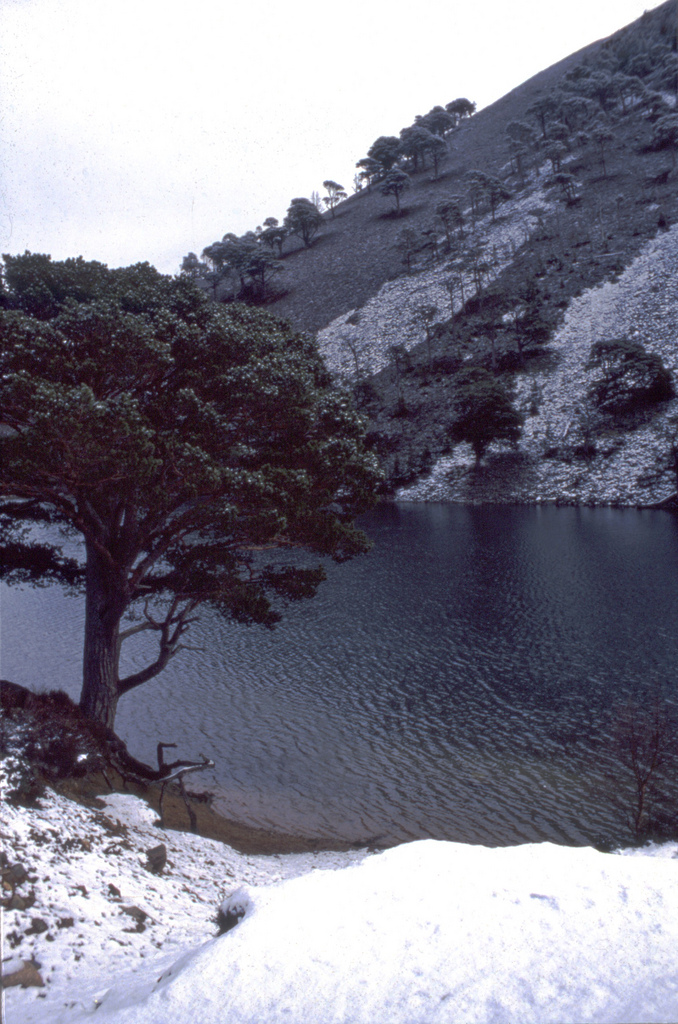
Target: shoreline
[97, 928]
[91, 907]
[64, 752]
[248, 840]
[667, 504]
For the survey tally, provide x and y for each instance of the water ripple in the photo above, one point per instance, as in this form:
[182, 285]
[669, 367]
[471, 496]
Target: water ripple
[460, 682]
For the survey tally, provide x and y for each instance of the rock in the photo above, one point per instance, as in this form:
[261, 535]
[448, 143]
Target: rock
[156, 858]
[138, 915]
[233, 909]
[17, 902]
[12, 876]
[18, 873]
[114, 891]
[136, 912]
[38, 925]
[65, 922]
[21, 972]
[15, 874]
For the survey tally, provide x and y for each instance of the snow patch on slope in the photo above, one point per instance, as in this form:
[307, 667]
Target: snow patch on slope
[358, 343]
[642, 304]
[89, 866]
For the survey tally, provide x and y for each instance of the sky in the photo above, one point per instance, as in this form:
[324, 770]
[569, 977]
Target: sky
[145, 129]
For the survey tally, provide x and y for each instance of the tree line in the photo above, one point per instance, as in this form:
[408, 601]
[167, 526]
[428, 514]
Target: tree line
[578, 118]
[246, 265]
[631, 73]
[392, 159]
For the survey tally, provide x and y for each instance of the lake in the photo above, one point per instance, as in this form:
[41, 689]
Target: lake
[462, 681]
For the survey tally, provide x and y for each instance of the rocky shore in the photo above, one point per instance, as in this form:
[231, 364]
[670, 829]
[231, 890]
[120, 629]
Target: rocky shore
[92, 880]
[47, 741]
[93, 890]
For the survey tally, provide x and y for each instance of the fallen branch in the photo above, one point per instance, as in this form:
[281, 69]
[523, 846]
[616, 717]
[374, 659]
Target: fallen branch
[175, 773]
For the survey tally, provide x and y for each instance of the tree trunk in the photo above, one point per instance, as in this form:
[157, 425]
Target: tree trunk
[104, 605]
[674, 456]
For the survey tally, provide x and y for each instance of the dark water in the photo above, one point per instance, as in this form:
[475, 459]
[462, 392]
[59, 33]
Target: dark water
[461, 682]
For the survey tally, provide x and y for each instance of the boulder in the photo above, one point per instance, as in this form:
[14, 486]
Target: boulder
[38, 926]
[233, 909]
[138, 915]
[21, 972]
[156, 858]
[17, 902]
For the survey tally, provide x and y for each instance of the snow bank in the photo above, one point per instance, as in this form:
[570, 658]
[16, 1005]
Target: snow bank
[436, 931]
[105, 914]
[426, 932]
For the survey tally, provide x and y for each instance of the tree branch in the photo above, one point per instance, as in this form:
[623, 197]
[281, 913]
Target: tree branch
[142, 627]
[171, 629]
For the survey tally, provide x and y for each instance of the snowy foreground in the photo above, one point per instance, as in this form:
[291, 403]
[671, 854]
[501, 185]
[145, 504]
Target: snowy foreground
[426, 932]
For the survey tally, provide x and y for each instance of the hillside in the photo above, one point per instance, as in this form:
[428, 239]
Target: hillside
[354, 255]
[504, 225]
[593, 191]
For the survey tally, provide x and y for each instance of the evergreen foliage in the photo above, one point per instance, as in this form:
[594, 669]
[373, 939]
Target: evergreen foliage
[335, 194]
[460, 109]
[181, 440]
[385, 151]
[249, 259]
[303, 220]
[482, 411]
[629, 377]
[394, 184]
[273, 234]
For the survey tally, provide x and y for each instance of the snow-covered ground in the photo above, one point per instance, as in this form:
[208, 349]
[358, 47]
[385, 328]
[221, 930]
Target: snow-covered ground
[86, 866]
[426, 932]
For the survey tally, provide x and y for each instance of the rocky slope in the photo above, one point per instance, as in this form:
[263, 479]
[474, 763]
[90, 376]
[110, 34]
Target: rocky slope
[601, 264]
[354, 254]
[626, 466]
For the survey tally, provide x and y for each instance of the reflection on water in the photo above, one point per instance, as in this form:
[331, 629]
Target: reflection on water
[459, 682]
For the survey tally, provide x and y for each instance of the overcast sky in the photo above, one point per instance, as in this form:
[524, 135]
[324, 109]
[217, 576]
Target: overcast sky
[144, 129]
